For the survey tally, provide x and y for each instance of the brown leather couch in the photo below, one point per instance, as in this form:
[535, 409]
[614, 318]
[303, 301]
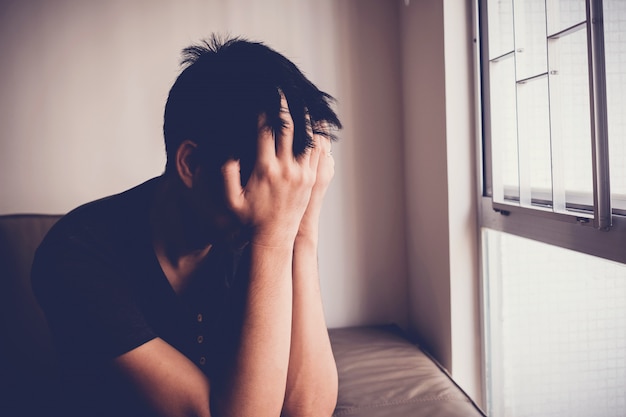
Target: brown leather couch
[381, 373]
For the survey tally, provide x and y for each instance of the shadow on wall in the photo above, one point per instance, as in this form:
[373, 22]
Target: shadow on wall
[369, 65]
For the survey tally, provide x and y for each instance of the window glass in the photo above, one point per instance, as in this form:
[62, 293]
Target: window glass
[615, 47]
[563, 14]
[530, 38]
[541, 131]
[570, 120]
[555, 330]
[500, 27]
[534, 142]
[504, 128]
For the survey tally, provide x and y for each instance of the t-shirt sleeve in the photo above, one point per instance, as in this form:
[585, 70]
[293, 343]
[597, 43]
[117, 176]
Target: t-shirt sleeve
[87, 297]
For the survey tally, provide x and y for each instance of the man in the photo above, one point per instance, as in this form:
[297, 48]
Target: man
[197, 292]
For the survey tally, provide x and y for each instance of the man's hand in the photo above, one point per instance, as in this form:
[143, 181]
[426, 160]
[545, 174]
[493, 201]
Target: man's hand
[275, 198]
[312, 378]
[309, 224]
[284, 337]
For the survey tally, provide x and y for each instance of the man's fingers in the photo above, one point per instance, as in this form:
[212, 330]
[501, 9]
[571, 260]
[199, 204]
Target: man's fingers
[315, 152]
[326, 141]
[310, 153]
[327, 147]
[231, 172]
[266, 149]
[284, 138]
[309, 124]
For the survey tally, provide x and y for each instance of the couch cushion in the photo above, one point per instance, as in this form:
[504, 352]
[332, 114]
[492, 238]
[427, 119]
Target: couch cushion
[27, 362]
[382, 374]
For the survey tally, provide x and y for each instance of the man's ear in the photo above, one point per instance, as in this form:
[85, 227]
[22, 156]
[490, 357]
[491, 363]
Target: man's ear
[187, 162]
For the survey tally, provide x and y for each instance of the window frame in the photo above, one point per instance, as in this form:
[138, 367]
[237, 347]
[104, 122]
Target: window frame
[607, 239]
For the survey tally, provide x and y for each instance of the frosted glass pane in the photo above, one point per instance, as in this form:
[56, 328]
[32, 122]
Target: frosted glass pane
[563, 14]
[530, 38]
[533, 115]
[503, 130]
[570, 120]
[615, 45]
[500, 15]
[555, 331]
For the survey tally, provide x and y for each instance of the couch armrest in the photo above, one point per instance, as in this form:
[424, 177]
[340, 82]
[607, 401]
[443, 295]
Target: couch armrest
[28, 369]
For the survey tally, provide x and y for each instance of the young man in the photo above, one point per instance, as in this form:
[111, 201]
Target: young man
[197, 292]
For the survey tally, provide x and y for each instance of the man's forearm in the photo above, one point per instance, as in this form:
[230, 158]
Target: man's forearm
[312, 376]
[258, 380]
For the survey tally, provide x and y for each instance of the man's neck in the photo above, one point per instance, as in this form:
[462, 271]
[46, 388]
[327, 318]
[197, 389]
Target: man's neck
[178, 248]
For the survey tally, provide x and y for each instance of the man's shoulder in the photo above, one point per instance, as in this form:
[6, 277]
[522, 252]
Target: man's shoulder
[116, 213]
[105, 238]
[108, 227]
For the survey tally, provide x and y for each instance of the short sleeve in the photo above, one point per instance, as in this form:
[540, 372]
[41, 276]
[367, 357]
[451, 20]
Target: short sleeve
[85, 291]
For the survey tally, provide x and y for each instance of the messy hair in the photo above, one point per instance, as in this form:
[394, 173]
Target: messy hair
[224, 86]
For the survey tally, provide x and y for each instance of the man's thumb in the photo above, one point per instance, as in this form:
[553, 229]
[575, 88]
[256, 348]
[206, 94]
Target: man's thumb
[231, 171]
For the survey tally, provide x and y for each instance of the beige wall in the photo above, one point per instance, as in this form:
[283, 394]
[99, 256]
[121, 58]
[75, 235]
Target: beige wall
[441, 185]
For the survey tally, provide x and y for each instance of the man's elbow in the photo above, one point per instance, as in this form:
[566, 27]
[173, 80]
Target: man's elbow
[316, 410]
[321, 404]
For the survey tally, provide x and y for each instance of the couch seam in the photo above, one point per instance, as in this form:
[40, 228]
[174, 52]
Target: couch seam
[416, 400]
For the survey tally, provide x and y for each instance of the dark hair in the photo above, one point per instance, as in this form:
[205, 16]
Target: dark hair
[224, 87]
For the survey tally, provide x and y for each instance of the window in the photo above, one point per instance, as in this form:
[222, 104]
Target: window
[554, 99]
[553, 92]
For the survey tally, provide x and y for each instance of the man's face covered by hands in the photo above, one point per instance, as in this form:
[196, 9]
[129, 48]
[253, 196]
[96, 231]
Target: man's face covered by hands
[232, 199]
[230, 95]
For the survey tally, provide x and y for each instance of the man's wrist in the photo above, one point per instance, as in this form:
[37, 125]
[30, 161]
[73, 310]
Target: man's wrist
[282, 236]
[309, 227]
[306, 240]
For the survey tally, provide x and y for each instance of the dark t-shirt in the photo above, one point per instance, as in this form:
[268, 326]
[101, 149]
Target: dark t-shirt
[104, 293]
